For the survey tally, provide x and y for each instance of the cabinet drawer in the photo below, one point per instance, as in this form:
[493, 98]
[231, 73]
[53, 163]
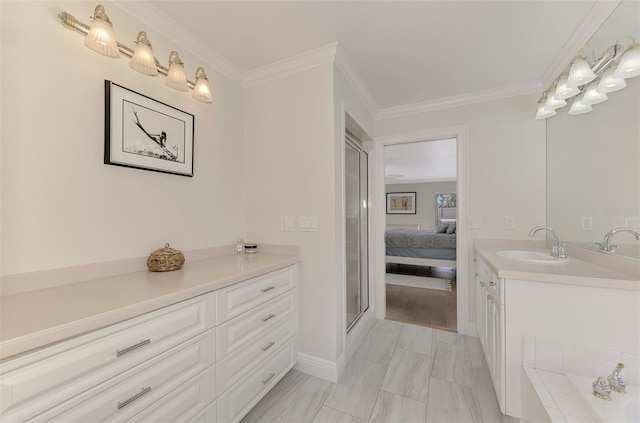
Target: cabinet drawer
[43, 379]
[236, 299]
[236, 365]
[208, 415]
[187, 402]
[129, 393]
[236, 402]
[241, 331]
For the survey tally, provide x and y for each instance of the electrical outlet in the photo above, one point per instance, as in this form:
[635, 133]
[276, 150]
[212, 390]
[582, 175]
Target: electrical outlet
[510, 222]
[586, 223]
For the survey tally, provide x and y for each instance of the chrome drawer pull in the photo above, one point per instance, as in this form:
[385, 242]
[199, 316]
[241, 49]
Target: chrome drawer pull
[269, 317]
[269, 288]
[271, 375]
[488, 297]
[492, 283]
[482, 284]
[142, 392]
[133, 347]
[269, 345]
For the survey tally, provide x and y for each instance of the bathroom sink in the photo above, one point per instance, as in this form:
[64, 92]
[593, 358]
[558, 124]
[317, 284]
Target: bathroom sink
[530, 256]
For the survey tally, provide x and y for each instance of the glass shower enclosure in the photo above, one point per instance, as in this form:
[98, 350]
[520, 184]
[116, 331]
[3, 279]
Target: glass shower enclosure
[357, 229]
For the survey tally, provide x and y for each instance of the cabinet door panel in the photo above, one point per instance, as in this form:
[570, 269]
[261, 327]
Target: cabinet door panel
[242, 297]
[183, 404]
[129, 393]
[39, 381]
[236, 402]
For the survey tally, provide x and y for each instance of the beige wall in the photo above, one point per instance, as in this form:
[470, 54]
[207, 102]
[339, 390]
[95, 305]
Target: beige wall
[289, 165]
[61, 206]
[505, 165]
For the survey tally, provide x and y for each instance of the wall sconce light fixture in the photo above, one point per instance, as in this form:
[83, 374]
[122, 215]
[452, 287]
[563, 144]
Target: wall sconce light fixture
[176, 78]
[616, 64]
[202, 91]
[100, 38]
[143, 60]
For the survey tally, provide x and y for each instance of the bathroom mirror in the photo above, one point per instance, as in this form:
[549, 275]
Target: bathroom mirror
[593, 159]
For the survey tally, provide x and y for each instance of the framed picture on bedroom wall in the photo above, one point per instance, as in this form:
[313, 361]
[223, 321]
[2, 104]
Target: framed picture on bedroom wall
[401, 203]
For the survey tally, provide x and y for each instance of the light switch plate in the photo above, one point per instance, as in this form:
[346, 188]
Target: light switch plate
[286, 223]
[586, 223]
[308, 223]
[632, 222]
[475, 222]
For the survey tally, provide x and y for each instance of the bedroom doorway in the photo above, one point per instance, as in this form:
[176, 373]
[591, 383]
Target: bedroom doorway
[420, 233]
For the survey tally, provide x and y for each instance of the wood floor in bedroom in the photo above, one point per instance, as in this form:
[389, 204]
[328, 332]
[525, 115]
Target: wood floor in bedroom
[419, 306]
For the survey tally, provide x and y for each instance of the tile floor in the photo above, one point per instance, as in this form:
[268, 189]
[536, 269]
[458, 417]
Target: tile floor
[401, 373]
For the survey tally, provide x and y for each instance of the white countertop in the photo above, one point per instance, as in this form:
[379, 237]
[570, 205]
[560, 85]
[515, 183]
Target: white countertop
[33, 319]
[575, 271]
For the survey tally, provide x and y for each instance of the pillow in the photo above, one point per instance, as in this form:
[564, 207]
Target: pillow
[442, 229]
[451, 229]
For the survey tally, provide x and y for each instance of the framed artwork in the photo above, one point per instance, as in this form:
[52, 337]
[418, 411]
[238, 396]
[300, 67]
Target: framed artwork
[143, 133]
[401, 203]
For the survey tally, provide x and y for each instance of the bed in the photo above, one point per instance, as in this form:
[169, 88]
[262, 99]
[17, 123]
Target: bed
[408, 244]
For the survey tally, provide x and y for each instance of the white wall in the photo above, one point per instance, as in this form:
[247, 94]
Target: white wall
[425, 202]
[61, 206]
[505, 165]
[289, 164]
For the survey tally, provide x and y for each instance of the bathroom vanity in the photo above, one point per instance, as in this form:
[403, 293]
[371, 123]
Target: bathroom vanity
[204, 343]
[573, 316]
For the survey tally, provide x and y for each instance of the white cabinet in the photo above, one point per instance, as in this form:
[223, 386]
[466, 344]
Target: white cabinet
[210, 358]
[490, 318]
[256, 344]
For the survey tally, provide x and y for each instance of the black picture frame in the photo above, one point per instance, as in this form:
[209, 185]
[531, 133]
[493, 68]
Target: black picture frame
[401, 203]
[143, 133]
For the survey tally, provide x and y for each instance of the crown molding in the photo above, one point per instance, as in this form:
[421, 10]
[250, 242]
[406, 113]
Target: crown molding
[594, 19]
[461, 100]
[163, 24]
[348, 70]
[291, 65]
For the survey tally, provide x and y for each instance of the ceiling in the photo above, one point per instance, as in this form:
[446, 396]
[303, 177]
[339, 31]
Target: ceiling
[424, 161]
[405, 52]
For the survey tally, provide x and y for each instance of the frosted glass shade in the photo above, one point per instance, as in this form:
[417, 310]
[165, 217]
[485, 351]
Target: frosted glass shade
[143, 60]
[593, 95]
[629, 65]
[554, 103]
[176, 78]
[101, 38]
[544, 113]
[563, 92]
[202, 91]
[580, 73]
[609, 83]
[579, 107]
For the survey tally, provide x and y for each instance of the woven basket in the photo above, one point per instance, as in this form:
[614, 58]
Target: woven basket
[165, 259]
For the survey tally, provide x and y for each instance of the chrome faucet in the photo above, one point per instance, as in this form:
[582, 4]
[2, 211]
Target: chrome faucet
[557, 251]
[606, 242]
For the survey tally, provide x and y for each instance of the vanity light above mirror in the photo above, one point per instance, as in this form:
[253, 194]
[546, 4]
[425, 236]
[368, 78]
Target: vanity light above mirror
[580, 80]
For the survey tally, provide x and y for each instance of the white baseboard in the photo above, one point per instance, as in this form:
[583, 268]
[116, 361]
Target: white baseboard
[316, 366]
